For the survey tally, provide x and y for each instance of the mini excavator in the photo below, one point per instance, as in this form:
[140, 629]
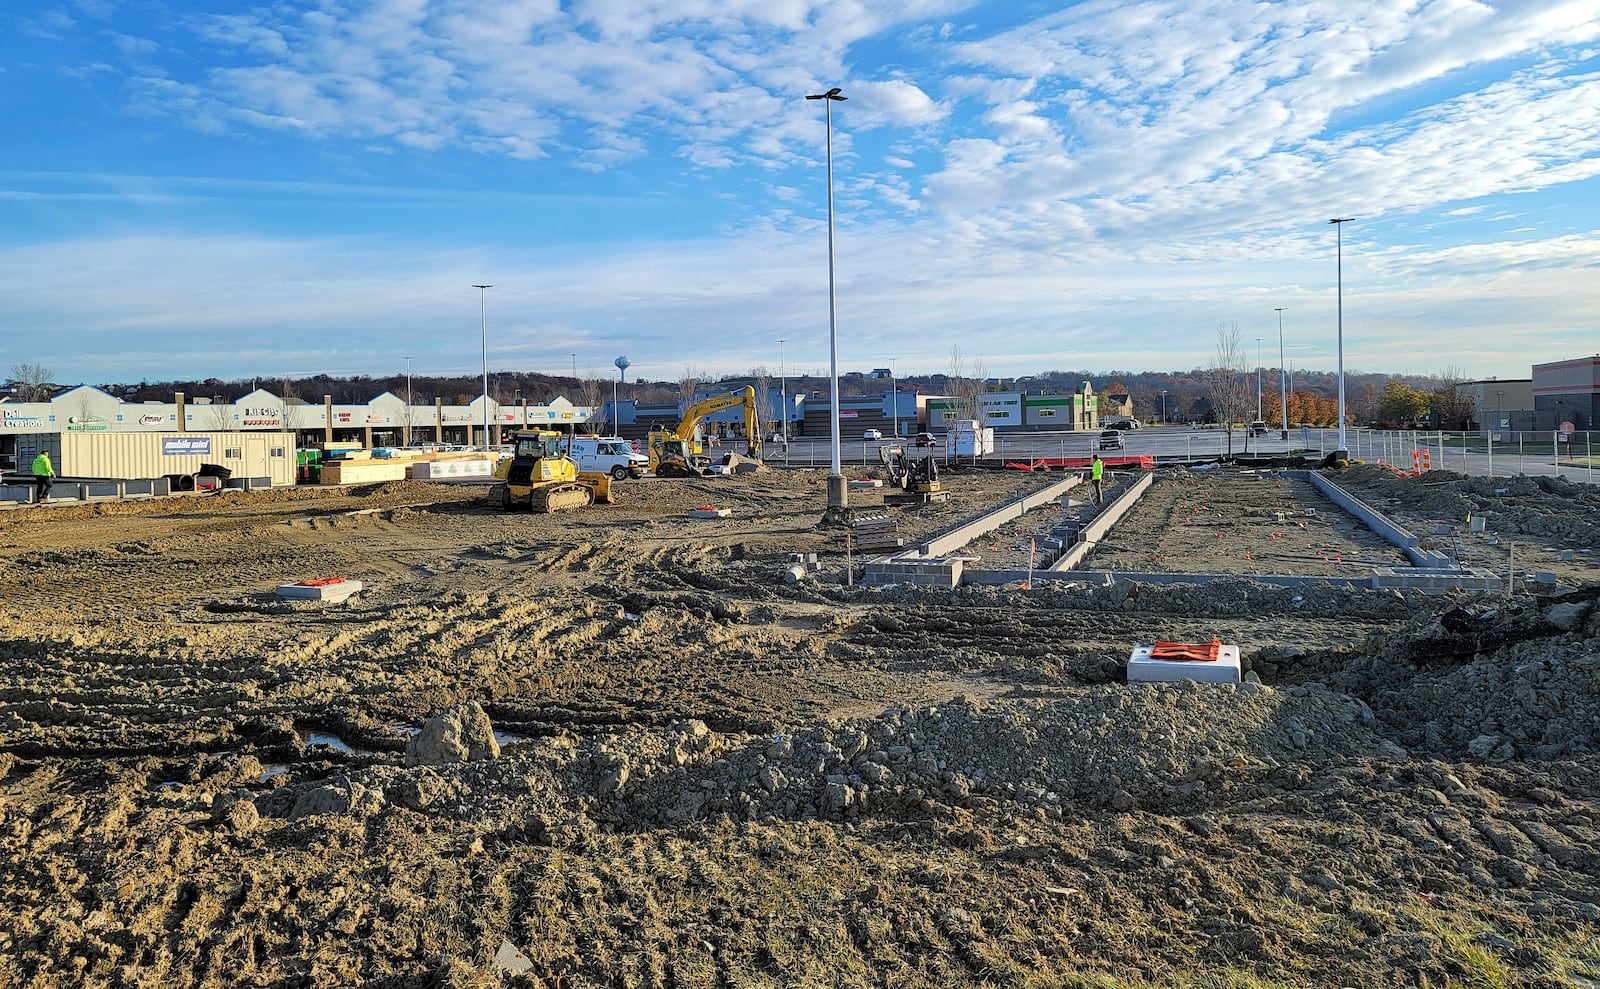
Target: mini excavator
[916, 481]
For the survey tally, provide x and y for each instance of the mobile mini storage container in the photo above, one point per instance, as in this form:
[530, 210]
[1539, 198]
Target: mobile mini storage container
[125, 456]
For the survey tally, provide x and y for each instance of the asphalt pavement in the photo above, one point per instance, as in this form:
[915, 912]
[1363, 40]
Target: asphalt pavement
[1505, 456]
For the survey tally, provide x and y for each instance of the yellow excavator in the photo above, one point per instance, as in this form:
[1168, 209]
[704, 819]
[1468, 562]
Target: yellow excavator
[538, 477]
[677, 453]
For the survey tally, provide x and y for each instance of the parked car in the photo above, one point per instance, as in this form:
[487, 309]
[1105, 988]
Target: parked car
[1258, 428]
[872, 434]
[1112, 439]
[926, 439]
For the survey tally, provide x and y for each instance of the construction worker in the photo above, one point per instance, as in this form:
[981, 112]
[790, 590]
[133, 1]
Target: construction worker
[43, 475]
[1097, 471]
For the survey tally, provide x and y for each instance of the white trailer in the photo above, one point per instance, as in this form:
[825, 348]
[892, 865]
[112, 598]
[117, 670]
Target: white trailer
[968, 439]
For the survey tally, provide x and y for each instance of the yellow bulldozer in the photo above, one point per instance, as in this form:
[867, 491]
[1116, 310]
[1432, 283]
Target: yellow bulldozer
[538, 477]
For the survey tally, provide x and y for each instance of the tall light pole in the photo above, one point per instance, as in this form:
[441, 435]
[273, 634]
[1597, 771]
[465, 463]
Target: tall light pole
[574, 370]
[1343, 453]
[1283, 380]
[1163, 394]
[483, 310]
[783, 397]
[894, 398]
[836, 487]
[616, 413]
[1258, 379]
[408, 401]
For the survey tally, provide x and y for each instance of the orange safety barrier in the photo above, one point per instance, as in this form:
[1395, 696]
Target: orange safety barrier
[1208, 652]
[321, 582]
[1426, 464]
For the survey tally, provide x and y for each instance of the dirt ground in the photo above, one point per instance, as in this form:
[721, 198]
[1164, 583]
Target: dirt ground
[617, 747]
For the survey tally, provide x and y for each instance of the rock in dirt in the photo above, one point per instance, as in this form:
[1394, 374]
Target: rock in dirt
[461, 734]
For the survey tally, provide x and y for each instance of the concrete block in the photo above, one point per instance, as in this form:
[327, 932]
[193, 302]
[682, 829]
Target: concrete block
[319, 592]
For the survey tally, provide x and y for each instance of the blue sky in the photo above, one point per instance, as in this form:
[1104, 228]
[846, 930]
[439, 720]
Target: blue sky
[206, 189]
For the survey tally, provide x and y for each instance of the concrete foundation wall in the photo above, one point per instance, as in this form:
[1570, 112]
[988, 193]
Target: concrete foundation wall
[959, 537]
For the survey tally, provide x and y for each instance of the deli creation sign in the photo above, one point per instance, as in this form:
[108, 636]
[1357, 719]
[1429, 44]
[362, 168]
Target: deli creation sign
[185, 446]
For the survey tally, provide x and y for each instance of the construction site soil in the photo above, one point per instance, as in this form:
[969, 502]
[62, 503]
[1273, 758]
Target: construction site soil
[624, 747]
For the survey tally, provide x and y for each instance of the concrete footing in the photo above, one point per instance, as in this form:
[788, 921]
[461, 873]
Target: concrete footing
[935, 563]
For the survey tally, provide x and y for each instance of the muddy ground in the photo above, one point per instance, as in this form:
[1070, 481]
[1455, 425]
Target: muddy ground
[700, 774]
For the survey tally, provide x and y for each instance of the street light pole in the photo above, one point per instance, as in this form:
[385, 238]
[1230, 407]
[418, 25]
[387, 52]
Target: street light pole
[1258, 379]
[783, 398]
[483, 310]
[1163, 394]
[1283, 380]
[836, 487]
[408, 401]
[894, 398]
[1343, 453]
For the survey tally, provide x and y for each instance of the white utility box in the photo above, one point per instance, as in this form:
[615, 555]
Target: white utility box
[336, 590]
[1143, 668]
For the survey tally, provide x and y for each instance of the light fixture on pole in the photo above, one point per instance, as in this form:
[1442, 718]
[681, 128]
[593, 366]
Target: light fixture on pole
[1163, 394]
[616, 413]
[408, 401]
[783, 397]
[1343, 452]
[836, 487]
[483, 310]
[1283, 379]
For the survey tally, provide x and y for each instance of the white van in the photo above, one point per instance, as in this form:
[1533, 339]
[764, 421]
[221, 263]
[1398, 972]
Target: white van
[609, 455]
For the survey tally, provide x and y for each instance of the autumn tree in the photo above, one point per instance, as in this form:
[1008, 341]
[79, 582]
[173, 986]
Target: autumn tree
[1401, 405]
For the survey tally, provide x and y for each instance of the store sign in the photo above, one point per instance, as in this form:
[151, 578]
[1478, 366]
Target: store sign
[261, 415]
[152, 420]
[185, 446]
[12, 420]
[84, 424]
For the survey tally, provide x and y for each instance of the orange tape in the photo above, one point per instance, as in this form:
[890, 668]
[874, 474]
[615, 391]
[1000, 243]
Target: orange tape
[1185, 651]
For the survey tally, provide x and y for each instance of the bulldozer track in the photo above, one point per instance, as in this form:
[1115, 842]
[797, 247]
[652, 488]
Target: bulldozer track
[560, 497]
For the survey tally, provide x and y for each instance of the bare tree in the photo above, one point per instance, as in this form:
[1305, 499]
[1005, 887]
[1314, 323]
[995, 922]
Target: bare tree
[1452, 407]
[966, 393]
[1226, 382]
[589, 394]
[761, 380]
[219, 415]
[687, 384]
[32, 382]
